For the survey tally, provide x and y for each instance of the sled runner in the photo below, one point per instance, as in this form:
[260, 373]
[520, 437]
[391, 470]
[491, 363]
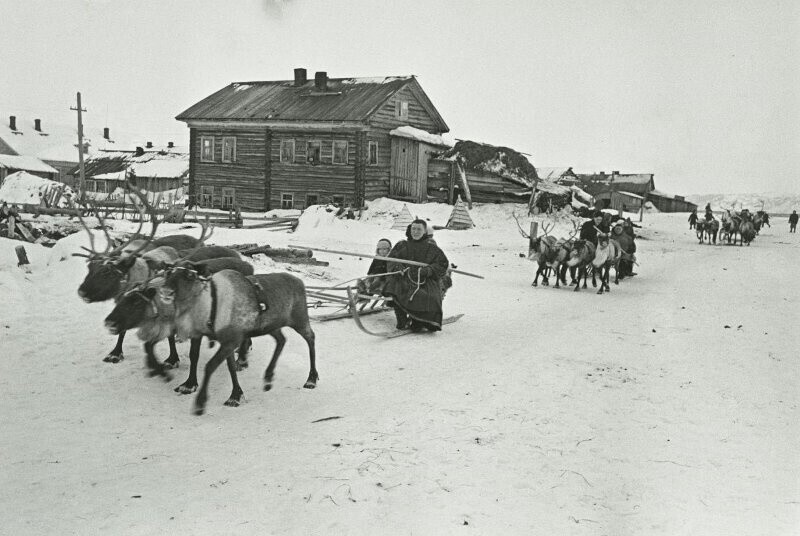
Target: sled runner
[354, 310]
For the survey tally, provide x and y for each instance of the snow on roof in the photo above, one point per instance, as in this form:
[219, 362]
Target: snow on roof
[22, 187]
[630, 195]
[552, 188]
[551, 173]
[25, 163]
[115, 165]
[502, 161]
[659, 193]
[420, 135]
[375, 79]
[169, 166]
[59, 141]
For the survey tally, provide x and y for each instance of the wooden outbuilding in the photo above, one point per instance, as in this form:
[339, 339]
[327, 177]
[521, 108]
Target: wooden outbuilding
[301, 142]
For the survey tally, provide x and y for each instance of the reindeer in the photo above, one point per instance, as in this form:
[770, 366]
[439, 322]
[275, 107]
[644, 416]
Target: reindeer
[730, 226]
[112, 270]
[141, 307]
[747, 232]
[761, 218]
[225, 307]
[548, 252]
[581, 257]
[607, 254]
[542, 250]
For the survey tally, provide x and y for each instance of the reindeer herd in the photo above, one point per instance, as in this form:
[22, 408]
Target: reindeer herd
[582, 257]
[742, 226]
[177, 286]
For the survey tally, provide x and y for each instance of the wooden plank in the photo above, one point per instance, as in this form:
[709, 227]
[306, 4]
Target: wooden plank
[25, 232]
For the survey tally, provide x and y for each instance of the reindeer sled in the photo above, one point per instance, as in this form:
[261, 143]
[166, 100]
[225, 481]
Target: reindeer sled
[360, 297]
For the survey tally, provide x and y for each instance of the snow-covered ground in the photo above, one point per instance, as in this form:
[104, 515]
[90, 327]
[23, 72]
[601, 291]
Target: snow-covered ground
[669, 406]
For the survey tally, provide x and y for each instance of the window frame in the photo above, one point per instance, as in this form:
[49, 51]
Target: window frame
[335, 197]
[346, 152]
[308, 146]
[370, 145]
[225, 194]
[90, 186]
[203, 147]
[225, 140]
[401, 109]
[206, 191]
[283, 201]
[316, 199]
[286, 143]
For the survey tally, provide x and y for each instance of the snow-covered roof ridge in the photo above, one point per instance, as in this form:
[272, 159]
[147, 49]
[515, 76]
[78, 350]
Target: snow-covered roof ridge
[420, 135]
[551, 173]
[25, 163]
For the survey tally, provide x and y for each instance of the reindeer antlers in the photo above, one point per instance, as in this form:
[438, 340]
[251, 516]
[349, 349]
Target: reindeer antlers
[205, 234]
[154, 222]
[521, 230]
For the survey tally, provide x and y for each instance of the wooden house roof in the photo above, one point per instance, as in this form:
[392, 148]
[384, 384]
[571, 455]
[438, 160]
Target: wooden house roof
[115, 164]
[635, 183]
[344, 99]
[554, 173]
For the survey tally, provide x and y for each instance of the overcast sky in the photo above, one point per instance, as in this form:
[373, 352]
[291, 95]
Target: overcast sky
[704, 94]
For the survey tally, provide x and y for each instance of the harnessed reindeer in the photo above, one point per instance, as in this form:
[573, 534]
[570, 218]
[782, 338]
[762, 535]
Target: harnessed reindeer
[730, 226]
[607, 254]
[581, 257]
[141, 307]
[229, 307]
[549, 253]
[110, 271]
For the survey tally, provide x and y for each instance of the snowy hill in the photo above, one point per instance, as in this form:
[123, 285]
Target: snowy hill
[774, 203]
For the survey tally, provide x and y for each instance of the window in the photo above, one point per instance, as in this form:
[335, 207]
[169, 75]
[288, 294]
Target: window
[100, 187]
[339, 152]
[206, 196]
[372, 157]
[401, 109]
[228, 197]
[90, 186]
[287, 151]
[207, 149]
[314, 152]
[229, 149]
[338, 200]
[287, 200]
[312, 199]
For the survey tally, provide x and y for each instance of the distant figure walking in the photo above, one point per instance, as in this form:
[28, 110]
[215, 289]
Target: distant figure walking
[693, 219]
[793, 222]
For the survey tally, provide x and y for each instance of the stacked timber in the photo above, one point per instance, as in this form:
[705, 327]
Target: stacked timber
[284, 255]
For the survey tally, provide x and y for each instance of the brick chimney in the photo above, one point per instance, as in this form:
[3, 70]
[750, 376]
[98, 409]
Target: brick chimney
[149, 145]
[139, 151]
[106, 133]
[12, 122]
[321, 80]
[37, 125]
[300, 77]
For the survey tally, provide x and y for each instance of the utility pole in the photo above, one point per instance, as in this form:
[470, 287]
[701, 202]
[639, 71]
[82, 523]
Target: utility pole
[82, 185]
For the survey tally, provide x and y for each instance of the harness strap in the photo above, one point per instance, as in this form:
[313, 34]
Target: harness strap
[213, 315]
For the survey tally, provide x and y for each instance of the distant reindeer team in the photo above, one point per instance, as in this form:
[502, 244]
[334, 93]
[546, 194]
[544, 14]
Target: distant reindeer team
[593, 253]
[736, 226]
[178, 286]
